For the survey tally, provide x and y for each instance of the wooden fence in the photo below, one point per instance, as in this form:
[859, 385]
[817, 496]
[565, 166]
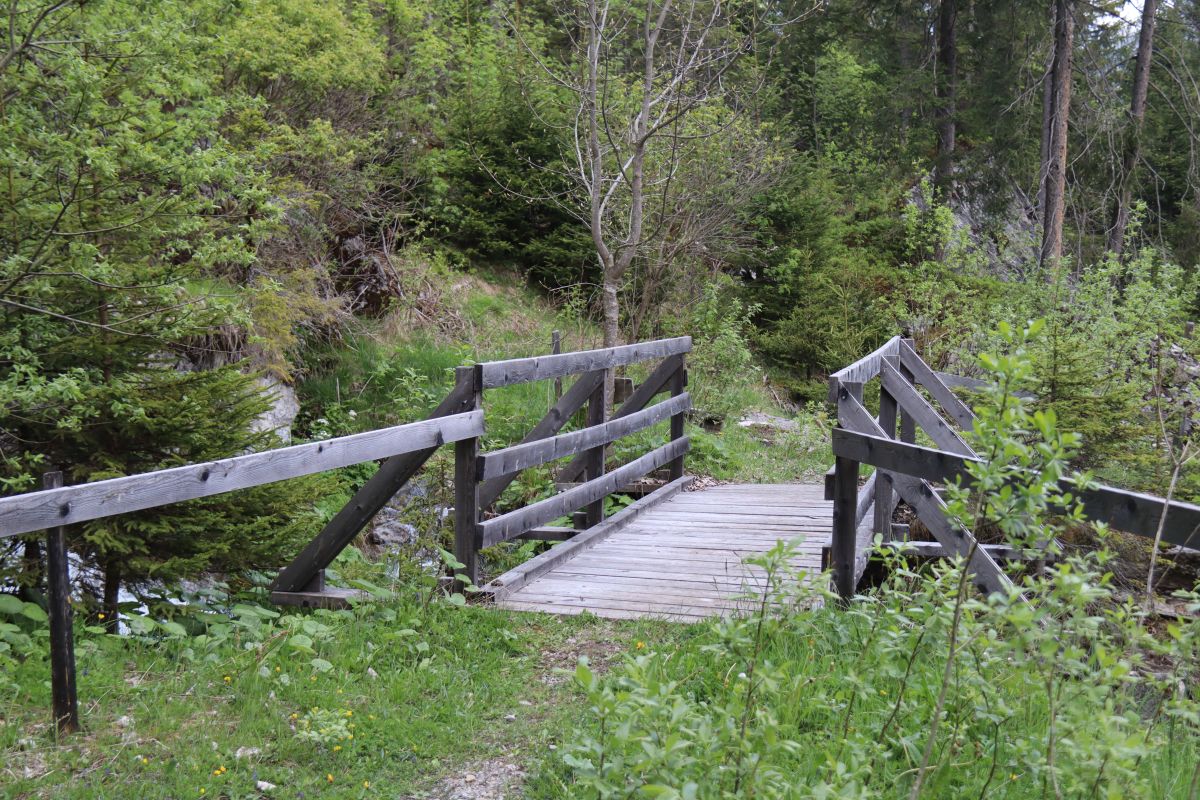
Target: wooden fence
[480, 478]
[905, 470]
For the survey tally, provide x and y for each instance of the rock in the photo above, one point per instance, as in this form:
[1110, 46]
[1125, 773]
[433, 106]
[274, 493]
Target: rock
[284, 408]
[247, 752]
[264, 786]
[510, 717]
[124, 722]
[756, 419]
[372, 674]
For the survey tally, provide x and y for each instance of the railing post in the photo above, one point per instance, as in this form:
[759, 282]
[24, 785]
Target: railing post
[62, 644]
[883, 481]
[466, 485]
[679, 383]
[845, 504]
[555, 349]
[594, 458]
[908, 426]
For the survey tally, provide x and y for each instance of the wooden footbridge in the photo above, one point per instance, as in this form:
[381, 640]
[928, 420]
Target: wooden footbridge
[674, 553]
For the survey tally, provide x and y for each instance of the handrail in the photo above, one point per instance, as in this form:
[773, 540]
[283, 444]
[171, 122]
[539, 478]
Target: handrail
[523, 370]
[1133, 512]
[35, 511]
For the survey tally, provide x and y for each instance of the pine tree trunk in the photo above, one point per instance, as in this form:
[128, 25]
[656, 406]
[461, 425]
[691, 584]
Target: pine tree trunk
[1055, 169]
[112, 593]
[1133, 136]
[947, 93]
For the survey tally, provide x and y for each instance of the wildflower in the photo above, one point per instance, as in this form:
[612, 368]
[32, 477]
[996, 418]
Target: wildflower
[277, 669]
[366, 784]
[293, 716]
[313, 678]
[337, 747]
[101, 616]
[370, 716]
[202, 790]
[228, 679]
[339, 691]
[1012, 777]
[640, 645]
[349, 713]
[329, 777]
[145, 760]
[216, 772]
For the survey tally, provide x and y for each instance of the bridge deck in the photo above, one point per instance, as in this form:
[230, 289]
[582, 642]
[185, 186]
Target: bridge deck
[682, 559]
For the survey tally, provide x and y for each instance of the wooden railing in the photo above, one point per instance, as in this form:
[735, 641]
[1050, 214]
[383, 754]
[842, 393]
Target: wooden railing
[58, 506]
[480, 478]
[905, 470]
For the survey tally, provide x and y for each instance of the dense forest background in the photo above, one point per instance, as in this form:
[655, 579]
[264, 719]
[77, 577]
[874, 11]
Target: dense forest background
[199, 199]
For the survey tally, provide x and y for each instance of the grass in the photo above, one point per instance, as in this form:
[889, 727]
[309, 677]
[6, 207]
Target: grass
[428, 692]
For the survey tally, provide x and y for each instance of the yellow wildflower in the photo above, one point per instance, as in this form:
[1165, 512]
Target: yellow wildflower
[329, 777]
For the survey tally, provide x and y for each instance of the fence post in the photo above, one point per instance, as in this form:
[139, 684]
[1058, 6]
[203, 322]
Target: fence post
[62, 644]
[908, 426]
[845, 506]
[597, 414]
[466, 486]
[883, 481]
[555, 349]
[678, 384]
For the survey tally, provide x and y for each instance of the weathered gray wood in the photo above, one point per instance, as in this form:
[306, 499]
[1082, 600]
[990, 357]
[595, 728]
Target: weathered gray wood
[678, 386]
[862, 370]
[63, 697]
[339, 532]
[656, 383]
[922, 374]
[514, 579]
[597, 414]
[73, 504]
[524, 370]
[530, 454]
[975, 384]
[1132, 512]
[1002, 552]
[558, 416]
[930, 508]
[548, 533]
[866, 498]
[845, 497]
[883, 483]
[922, 412]
[555, 349]
[333, 597]
[506, 526]
[908, 428]
[466, 488]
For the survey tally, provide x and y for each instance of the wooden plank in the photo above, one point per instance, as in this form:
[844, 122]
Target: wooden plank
[687, 619]
[844, 546]
[642, 606]
[572, 570]
[656, 383]
[679, 383]
[506, 526]
[922, 412]
[650, 591]
[466, 489]
[922, 374]
[597, 415]
[74, 504]
[558, 416]
[888, 419]
[930, 508]
[976, 384]
[530, 454]
[548, 533]
[862, 370]
[997, 551]
[332, 597]
[381, 487]
[1121, 509]
[503, 585]
[523, 370]
[64, 699]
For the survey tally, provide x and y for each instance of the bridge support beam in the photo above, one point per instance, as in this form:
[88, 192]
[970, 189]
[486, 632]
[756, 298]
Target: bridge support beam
[845, 524]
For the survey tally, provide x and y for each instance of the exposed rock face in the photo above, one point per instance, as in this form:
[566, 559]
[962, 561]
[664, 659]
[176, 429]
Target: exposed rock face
[284, 408]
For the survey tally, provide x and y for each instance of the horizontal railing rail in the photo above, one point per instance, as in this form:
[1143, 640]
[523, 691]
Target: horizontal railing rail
[1132, 512]
[481, 478]
[69, 505]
